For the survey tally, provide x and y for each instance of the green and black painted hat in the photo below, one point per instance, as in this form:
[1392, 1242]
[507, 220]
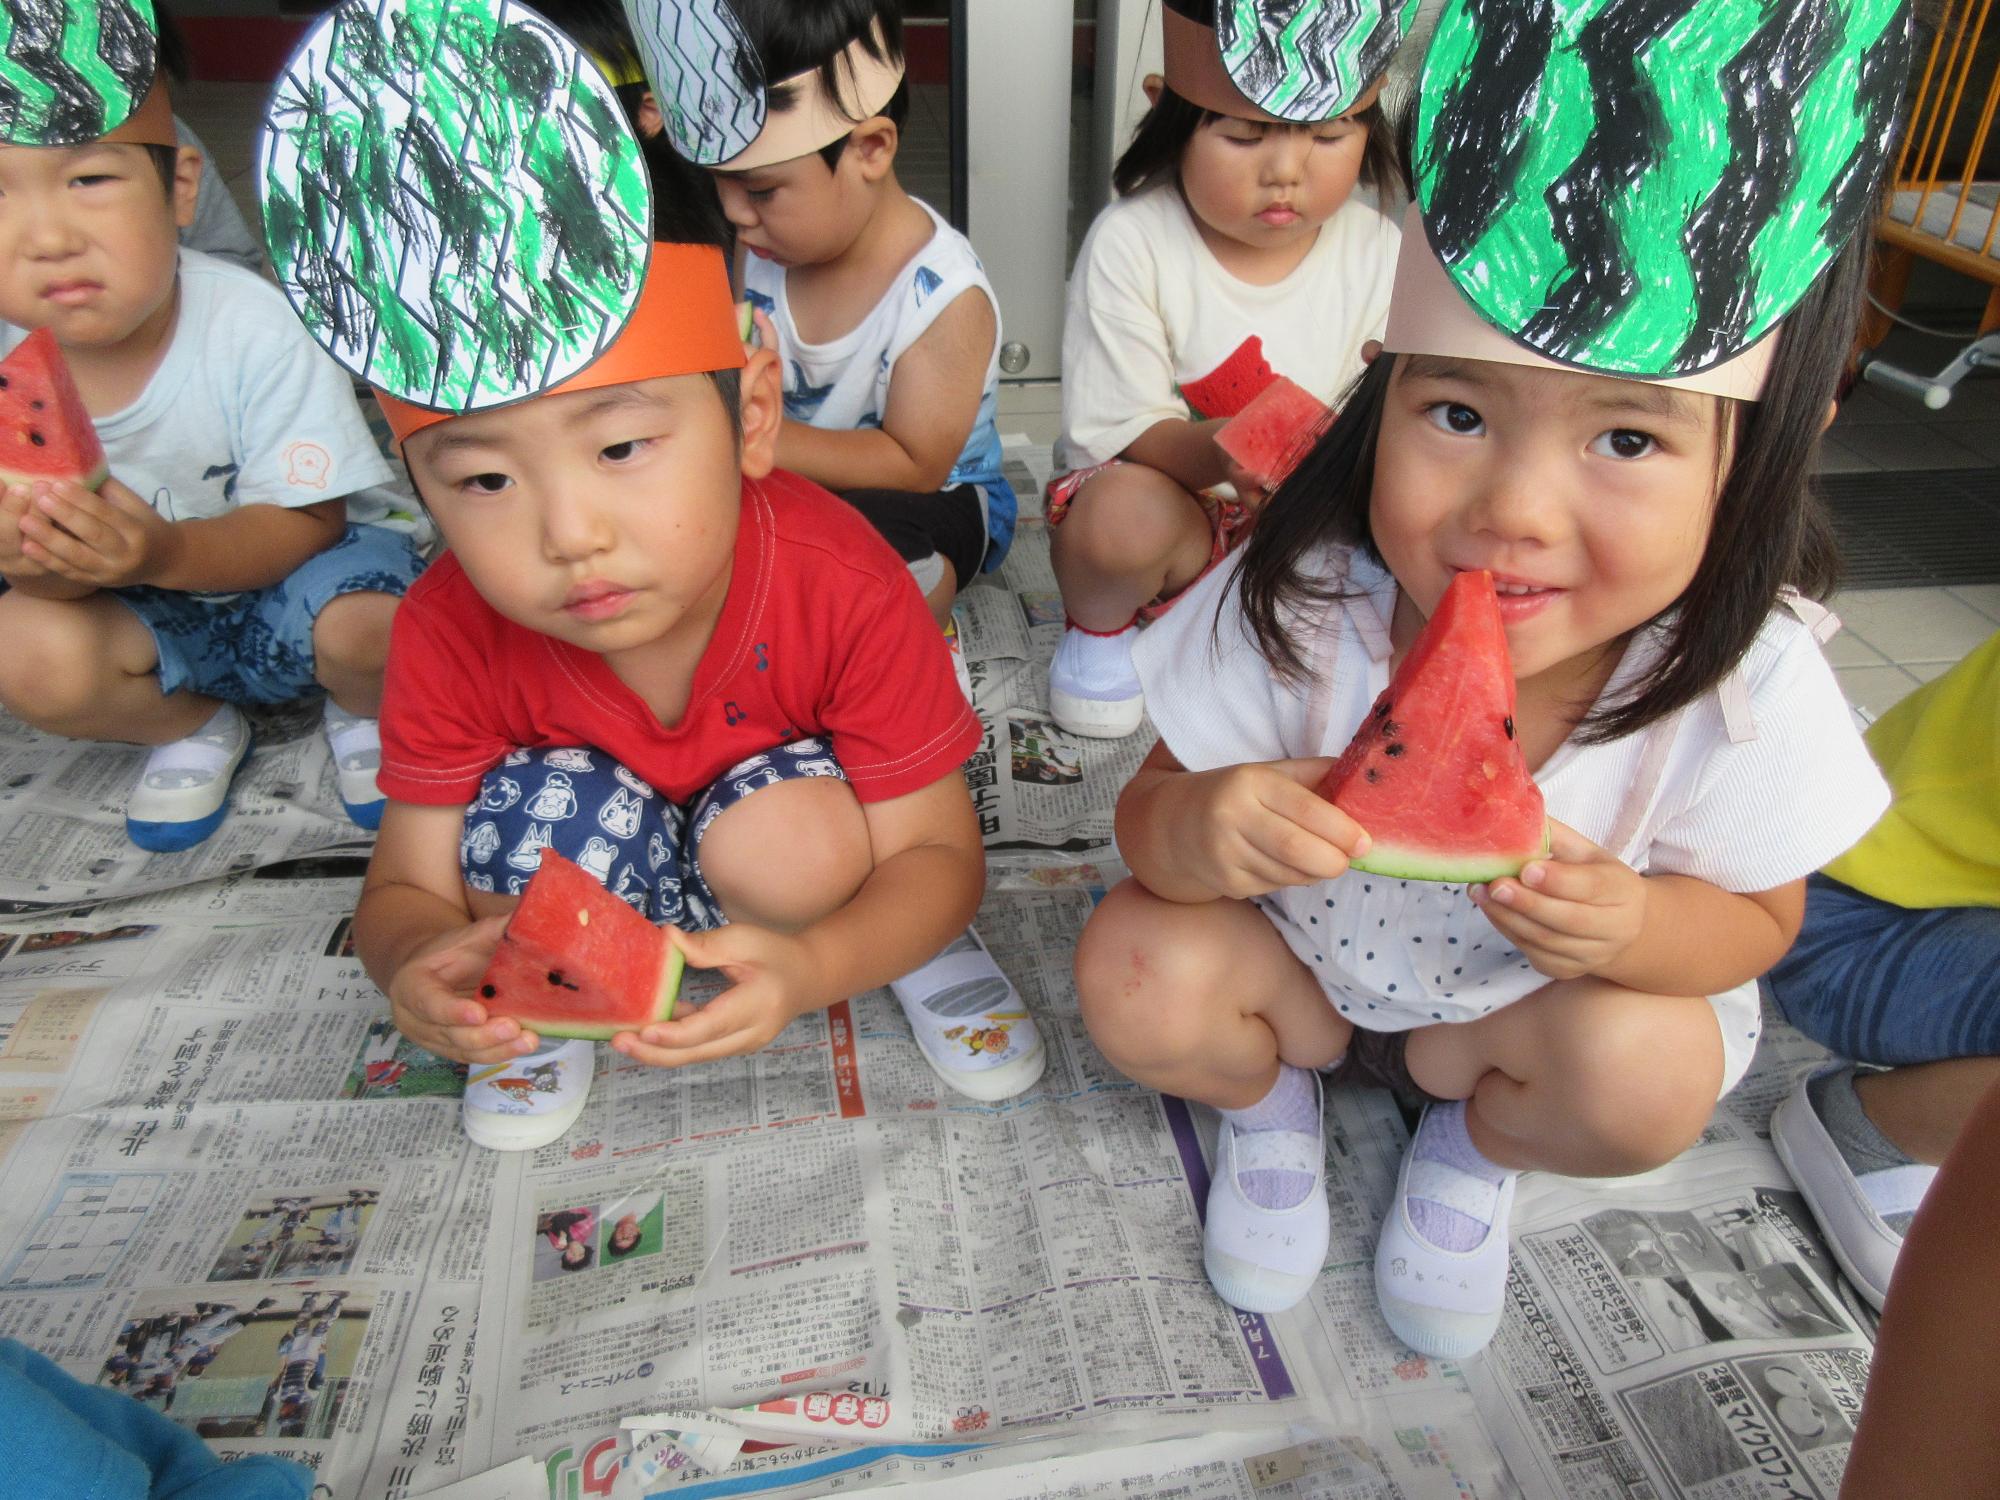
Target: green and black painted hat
[707, 78]
[454, 202]
[1645, 187]
[74, 71]
[1298, 60]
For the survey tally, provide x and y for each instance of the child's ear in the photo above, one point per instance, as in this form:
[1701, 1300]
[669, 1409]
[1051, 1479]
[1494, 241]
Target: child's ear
[1152, 85]
[762, 411]
[873, 147]
[649, 120]
[187, 184]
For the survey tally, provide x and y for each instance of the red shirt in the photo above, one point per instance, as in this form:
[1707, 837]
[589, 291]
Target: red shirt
[823, 633]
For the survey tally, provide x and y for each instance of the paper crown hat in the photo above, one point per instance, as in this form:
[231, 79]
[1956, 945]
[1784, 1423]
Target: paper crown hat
[1292, 60]
[459, 213]
[721, 112]
[1641, 188]
[77, 71]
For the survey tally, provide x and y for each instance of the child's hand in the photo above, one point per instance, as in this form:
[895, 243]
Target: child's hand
[1250, 488]
[432, 997]
[1576, 912]
[109, 539]
[772, 982]
[14, 563]
[1246, 830]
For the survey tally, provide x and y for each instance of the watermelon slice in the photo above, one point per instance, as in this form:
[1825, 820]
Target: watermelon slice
[1270, 435]
[575, 960]
[1435, 774]
[44, 431]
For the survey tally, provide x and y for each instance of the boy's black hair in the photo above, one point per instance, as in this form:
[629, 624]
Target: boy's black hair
[1770, 527]
[166, 161]
[1163, 133]
[791, 37]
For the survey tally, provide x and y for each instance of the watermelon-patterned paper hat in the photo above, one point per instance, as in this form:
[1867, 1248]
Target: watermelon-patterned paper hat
[1294, 60]
[1640, 188]
[458, 211]
[719, 109]
[77, 71]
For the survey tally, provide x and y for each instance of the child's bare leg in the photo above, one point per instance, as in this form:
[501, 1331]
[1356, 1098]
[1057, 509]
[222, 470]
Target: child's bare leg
[351, 649]
[1131, 535]
[1200, 1001]
[940, 597]
[790, 854]
[1583, 1077]
[84, 668]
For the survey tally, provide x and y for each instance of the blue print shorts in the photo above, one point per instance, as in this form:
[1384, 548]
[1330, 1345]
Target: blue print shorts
[589, 808]
[257, 647]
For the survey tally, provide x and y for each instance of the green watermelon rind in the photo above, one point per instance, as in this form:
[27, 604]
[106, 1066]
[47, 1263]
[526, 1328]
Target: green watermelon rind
[89, 481]
[1406, 862]
[663, 1010]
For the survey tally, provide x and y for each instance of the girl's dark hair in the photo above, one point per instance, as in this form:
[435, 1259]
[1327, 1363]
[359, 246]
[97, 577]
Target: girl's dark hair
[1162, 135]
[1770, 527]
[791, 37]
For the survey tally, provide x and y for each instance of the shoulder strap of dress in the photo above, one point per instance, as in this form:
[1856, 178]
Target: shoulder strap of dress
[1734, 692]
[1354, 613]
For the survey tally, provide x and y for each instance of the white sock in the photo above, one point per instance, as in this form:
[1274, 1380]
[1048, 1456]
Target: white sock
[1292, 1104]
[356, 742]
[201, 757]
[1097, 666]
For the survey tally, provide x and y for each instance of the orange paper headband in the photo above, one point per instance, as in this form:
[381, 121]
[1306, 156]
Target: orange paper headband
[684, 324]
[151, 124]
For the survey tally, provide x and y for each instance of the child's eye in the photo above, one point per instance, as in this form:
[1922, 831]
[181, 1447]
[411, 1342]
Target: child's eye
[760, 195]
[92, 179]
[619, 453]
[1451, 416]
[485, 484]
[1622, 442]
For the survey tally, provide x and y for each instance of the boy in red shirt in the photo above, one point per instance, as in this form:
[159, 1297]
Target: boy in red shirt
[706, 681]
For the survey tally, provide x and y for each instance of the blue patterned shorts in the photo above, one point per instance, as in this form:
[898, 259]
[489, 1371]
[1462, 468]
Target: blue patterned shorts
[257, 647]
[589, 808]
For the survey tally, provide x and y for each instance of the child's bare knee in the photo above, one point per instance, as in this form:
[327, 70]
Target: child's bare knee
[1137, 982]
[789, 854]
[1642, 1086]
[352, 632]
[54, 668]
[1125, 515]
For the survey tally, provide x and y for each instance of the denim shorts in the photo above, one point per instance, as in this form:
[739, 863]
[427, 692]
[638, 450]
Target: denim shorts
[1890, 984]
[591, 809]
[257, 647]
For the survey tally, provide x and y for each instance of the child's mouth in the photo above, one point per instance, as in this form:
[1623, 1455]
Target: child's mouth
[72, 293]
[1278, 215]
[597, 601]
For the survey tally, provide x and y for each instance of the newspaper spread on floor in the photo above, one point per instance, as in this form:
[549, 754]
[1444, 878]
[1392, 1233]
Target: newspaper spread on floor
[233, 1192]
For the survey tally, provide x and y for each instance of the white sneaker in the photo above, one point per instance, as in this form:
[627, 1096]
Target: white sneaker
[183, 793]
[1093, 688]
[356, 744]
[971, 1023]
[1443, 1303]
[528, 1101]
[1264, 1260]
[1852, 1208]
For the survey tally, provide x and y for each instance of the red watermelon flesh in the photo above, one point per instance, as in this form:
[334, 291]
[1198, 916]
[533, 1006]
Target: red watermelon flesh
[44, 431]
[1270, 435]
[576, 961]
[1435, 774]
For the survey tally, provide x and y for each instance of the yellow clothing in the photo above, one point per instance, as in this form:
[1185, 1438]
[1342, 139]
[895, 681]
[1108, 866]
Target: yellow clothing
[1939, 842]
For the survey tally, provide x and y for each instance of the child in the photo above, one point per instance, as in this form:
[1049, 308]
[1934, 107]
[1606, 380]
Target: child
[1240, 250]
[886, 328]
[1690, 740]
[1894, 968]
[233, 556]
[102, 1443]
[711, 684]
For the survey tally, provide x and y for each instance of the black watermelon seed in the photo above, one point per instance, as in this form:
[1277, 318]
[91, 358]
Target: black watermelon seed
[1391, 728]
[37, 439]
[1508, 724]
[4, 382]
[487, 992]
[1392, 748]
[1371, 776]
[555, 976]
[37, 405]
[1381, 708]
